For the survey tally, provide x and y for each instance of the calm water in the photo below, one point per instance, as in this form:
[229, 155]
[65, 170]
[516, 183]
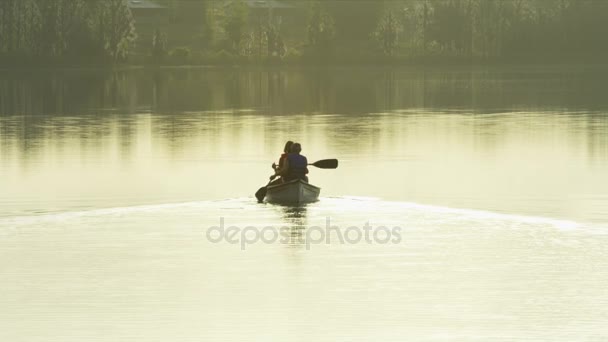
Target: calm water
[497, 179]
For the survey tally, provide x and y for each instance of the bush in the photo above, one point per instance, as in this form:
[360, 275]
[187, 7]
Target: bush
[292, 55]
[180, 55]
[223, 57]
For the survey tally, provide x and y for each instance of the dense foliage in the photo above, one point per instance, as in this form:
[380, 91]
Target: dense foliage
[68, 30]
[212, 31]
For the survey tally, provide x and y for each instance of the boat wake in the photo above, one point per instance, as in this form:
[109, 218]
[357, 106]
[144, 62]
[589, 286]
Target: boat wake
[345, 210]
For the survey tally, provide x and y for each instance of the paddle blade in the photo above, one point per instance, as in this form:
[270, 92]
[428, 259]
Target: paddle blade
[326, 164]
[260, 194]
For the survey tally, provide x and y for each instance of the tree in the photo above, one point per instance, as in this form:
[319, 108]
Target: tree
[419, 14]
[207, 32]
[274, 40]
[320, 28]
[192, 21]
[159, 45]
[113, 28]
[235, 22]
[387, 32]
[355, 19]
[19, 25]
[60, 21]
[452, 25]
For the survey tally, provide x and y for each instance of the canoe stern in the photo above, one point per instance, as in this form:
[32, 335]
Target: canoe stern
[294, 192]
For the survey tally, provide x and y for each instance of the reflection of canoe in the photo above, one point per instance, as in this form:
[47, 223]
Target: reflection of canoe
[294, 192]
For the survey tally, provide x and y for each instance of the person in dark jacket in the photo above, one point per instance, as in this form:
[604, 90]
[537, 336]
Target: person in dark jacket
[296, 165]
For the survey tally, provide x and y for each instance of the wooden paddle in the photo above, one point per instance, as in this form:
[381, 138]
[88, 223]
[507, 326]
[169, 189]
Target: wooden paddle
[321, 164]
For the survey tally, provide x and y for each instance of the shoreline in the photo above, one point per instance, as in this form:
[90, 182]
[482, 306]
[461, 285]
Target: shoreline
[286, 66]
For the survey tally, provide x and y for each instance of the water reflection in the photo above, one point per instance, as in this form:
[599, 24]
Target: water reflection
[493, 139]
[295, 219]
[284, 91]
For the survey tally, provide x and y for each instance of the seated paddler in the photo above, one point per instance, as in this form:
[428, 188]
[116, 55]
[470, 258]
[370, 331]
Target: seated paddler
[295, 165]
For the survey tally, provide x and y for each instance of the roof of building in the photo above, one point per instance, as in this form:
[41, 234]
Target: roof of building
[255, 4]
[143, 4]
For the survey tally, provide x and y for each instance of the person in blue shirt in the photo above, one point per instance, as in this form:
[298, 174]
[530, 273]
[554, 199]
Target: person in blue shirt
[295, 165]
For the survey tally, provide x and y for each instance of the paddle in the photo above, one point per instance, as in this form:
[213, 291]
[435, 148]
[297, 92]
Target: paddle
[321, 164]
[326, 164]
[261, 193]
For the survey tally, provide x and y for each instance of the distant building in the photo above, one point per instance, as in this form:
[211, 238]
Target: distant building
[143, 5]
[266, 4]
[258, 7]
[146, 10]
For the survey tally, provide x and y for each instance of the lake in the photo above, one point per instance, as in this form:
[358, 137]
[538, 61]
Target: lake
[485, 191]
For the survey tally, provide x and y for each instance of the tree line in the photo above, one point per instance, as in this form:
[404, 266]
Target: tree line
[498, 28]
[336, 31]
[99, 30]
[481, 29]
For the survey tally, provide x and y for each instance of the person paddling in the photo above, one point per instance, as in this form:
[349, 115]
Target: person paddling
[275, 167]
[296, 165]
[286, 151]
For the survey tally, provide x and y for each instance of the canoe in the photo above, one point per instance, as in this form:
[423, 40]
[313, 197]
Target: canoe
[294, 192]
